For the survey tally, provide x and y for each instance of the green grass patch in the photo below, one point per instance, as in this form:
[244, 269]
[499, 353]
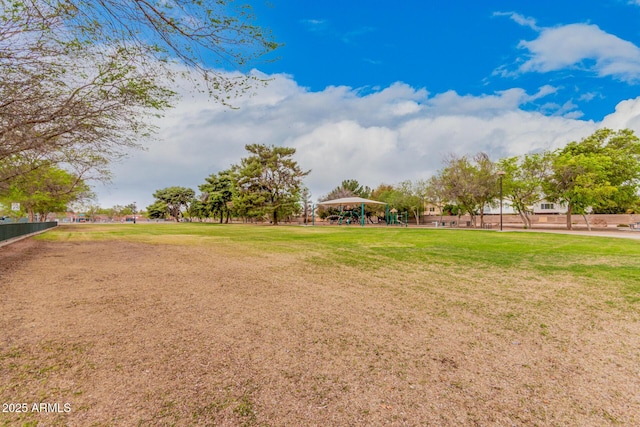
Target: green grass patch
[594, 260]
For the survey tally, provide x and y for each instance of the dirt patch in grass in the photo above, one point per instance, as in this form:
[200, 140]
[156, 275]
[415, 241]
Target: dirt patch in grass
[139, 334]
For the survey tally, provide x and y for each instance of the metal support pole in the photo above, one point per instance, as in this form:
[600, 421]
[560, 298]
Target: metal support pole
[501, 203]
[501, 174]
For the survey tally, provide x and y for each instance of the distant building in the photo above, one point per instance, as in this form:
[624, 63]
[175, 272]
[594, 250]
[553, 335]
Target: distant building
[430, 209]
[545, 207]
[507, 209]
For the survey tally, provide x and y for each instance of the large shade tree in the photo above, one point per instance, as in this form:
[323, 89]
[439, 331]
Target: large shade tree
[174, 200]
[406, 196]
[269, 182]
[203, 36]
[412, 197]
[601, 170]
[471, 183]
[80, 78]
[217, 194]
[44, 190]
[523, 181]
[347, 188]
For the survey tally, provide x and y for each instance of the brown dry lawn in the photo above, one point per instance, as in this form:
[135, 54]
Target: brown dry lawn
[159, 334]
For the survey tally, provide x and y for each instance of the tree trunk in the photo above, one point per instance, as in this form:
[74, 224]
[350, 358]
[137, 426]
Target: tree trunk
[523, 216]
[586, 219]
[569, 208]
[275, 217]
[528, 218]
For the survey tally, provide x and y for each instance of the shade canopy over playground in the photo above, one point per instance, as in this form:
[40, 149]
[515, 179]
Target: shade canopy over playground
[352, 201]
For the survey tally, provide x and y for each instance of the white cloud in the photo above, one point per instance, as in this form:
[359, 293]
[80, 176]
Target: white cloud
[582, 46]
[626, 115]
[543, 91]
[487, 105]
[588, 96]
[315, 25]
[387, 135]
[346, 150]
[520, 19]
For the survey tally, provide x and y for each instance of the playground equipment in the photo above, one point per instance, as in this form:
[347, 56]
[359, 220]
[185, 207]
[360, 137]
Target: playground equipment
[394, 217]
[355, 215]
[349, 216]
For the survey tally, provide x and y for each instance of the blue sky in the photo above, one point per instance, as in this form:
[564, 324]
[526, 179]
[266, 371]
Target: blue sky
[383, 92]
[471, 47]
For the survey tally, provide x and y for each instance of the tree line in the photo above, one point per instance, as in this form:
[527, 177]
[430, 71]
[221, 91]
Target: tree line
[599, 174]
[265, 184]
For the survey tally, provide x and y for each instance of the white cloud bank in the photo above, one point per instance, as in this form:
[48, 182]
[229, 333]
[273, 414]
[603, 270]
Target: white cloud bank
[391, 135]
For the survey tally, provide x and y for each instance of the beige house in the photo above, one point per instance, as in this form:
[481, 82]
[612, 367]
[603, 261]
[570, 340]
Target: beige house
[431, 209]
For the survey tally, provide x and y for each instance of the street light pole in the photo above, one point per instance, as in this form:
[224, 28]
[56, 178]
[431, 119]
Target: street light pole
[501, 174]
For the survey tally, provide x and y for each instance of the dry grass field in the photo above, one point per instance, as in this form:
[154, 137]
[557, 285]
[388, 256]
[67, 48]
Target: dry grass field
[293, 326]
